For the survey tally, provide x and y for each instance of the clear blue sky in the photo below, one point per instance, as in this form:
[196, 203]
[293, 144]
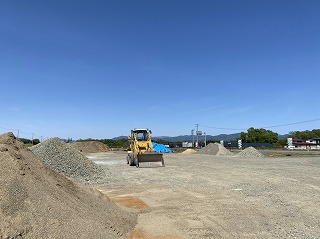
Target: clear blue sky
[98, 69]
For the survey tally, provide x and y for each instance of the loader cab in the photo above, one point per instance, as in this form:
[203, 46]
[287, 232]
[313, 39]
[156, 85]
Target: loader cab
[141, 135]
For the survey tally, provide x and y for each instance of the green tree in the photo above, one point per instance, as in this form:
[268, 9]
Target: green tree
[281, 142]
[259, 136]
[315, 133]
[243, 137]
[36, 141]
[25, 141]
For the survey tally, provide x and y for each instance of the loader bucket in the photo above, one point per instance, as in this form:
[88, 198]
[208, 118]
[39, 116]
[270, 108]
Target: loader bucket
[149, 157]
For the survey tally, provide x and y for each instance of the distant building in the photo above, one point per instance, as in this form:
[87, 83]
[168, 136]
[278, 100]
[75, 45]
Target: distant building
[313, 141]
[186, 145]
[306, 144]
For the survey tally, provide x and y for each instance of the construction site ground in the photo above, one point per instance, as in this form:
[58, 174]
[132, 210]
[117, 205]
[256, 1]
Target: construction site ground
[206, 196]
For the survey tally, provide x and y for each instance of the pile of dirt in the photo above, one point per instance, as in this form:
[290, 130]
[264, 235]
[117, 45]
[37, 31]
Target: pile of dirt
[37, 202]
[65, 159]
[250, 152]
[189, 151]
[90, 146]
[215, 149]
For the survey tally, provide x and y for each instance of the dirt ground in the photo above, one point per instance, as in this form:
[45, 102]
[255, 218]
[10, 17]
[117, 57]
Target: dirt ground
[204, 196]
[37, 202]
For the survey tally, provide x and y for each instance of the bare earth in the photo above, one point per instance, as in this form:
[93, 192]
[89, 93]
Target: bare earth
[205, 196]
[37, 202]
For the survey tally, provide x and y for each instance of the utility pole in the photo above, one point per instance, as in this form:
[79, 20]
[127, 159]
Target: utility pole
[205, 139]
[32, 139]
[18, 134]
[192, 132]
[197, 125]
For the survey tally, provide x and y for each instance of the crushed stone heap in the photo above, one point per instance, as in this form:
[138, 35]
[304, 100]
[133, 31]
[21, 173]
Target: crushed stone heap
[250, 152]
[37, 202]
[90, 146]
[65, 159]
[215, 149]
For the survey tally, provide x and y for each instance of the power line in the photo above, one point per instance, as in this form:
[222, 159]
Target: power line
[19, 132]
[221, 127]
[7, 128]
[301, 122]
[265, 127]
[23, 132]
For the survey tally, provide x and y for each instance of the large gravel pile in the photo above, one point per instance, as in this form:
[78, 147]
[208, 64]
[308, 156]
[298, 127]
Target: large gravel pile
[36, 202]
[90, 146]
[215, 149]
[250, 152]
[68, 161]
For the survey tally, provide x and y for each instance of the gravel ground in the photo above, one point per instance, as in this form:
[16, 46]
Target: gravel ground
[205, 196]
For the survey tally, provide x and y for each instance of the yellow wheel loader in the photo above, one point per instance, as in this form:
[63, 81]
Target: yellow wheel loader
[141, 149]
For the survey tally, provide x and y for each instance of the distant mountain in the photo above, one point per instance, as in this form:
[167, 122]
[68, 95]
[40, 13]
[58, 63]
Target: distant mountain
[283, 136]
[188, 138]
[120, 137]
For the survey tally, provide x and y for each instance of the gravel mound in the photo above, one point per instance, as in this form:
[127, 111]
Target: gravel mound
[90, 146]
[65, 159]
[250, 152]
[37, 202]
[215, 149]
[189, 151]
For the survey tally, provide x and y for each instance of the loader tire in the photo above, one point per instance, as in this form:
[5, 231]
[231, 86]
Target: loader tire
[131, 160]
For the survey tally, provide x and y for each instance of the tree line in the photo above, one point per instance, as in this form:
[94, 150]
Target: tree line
[315, 133]
[267, 136]
[253, 135]
[29, 141]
